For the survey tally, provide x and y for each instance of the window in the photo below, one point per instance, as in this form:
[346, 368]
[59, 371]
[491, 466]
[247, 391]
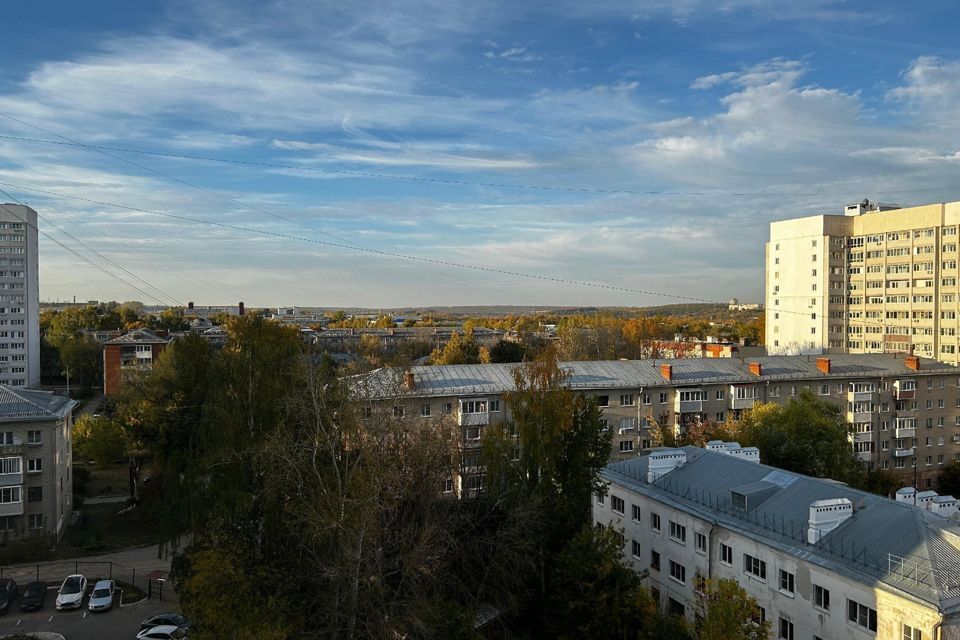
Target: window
[754, 566]
[626, 400]
[6, 437]
[675, 608]
[9, 466]
[473, 406]
[34, 465]
[626, 445]
[726, 554]
[821, 597]
[786, 630]
[448, 408]
[627, 424]
[862, 615]
[398, 411]
[603, 401]
[635, 512]
[616, 504]
[678, 572]
[425, 410]
[911, 633]
[786, 582]
[494, 406]
[719, 394]
[35, 521]
[654, 560]
[448, 485]
[700, 542]
[663, 397]
[635, 549]
[601, 499]
[9, 494]
[655, 522]
[33, 437]
[678, 532]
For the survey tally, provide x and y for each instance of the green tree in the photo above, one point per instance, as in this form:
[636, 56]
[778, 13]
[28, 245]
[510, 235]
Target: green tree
[99, 439]
[725, 611]
[948, 482]
[883, 482]
[807, 435]
[83, 358]
[594, 594]
[507, 351]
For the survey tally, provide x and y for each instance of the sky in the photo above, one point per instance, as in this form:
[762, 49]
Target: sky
[442, 152]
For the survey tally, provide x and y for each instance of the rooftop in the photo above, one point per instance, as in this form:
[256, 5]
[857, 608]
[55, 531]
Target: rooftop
[17, 403]
[905, 547]
[139, 336]
[467, 379]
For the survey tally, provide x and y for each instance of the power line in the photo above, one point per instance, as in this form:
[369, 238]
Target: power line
[73, 251]
[450, 181]
[104, 151]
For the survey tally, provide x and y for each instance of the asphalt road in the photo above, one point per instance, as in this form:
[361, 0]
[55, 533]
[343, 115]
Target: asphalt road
[120, 623]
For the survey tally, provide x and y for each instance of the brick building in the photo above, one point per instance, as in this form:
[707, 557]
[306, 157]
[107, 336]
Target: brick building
[129, 355]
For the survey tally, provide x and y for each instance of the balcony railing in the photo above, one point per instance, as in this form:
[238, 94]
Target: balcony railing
[859, 416]
[741, 403]
[861, 396]
[11, 508]
[11, 449]
[864, 456]
[902, 453]
[863, 436]
[905, 432]
[473, 419]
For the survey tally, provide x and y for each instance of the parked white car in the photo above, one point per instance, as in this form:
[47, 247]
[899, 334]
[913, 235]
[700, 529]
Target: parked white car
[163, 632]
[101, 599]
[71, 592]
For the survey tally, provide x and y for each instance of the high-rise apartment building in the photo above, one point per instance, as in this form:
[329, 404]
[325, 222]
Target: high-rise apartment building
[876, 279]
[19, 297]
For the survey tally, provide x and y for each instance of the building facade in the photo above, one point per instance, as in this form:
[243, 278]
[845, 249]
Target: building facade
[36, 484]
[19, 297]
[130, 355]
[876, 279]
[823, 561]
[905, 409]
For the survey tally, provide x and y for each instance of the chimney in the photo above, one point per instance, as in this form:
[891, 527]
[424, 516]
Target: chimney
[666, 371]
[190, 305]
[241, 308]
[409, 381]
[663, 461]
[756, 368]
[827, 515]
[823, 364]
[912, 362]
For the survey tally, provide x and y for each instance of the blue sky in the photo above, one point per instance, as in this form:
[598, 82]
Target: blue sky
[661, 137]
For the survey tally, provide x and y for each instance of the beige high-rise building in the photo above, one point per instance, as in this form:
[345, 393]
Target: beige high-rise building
[876, 279]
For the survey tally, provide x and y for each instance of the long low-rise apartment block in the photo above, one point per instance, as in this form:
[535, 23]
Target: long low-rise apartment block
[905, 409]
[822, 560]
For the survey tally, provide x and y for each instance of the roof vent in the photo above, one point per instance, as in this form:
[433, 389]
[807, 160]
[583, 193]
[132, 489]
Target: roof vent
[929, 500]
[827, 515]
[734, 449]
[662, 461]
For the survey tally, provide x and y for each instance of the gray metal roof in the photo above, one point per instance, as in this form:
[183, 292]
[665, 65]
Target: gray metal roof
[20, 404]
[139, 336]
[467, 379]
[902, 546]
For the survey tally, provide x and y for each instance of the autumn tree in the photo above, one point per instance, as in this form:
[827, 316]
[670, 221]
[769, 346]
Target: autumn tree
[725, 611]
[460, 349]
[99, 439]
[948, 482]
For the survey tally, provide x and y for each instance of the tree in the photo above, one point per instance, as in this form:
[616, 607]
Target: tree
[882, 482]
[507, 351]
[460, 349]
[948, 482]
[726, 611]
[99, 439]
[83, 358]
[807, 435]
[595, 595]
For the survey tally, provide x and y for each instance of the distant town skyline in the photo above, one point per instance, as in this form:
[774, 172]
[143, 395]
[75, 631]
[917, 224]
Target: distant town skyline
[645, 146]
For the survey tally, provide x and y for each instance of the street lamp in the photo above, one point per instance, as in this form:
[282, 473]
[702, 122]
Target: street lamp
[67, 373]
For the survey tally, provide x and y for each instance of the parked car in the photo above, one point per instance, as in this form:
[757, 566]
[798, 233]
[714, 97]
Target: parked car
[33, 595]
[71, 592]
[8, 591]
[165, 619]
[163, 632]
[101, 599]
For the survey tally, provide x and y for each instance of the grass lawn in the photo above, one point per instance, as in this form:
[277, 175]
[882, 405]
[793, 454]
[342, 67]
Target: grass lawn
[111, 480]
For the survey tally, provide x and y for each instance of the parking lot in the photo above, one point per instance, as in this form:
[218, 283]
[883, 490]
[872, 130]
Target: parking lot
[120, 623]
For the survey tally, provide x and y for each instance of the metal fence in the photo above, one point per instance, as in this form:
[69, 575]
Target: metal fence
[153, 584]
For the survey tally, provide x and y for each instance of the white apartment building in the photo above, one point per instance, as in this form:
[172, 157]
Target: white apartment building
[876, 279]
[19, 297]
[823, 561]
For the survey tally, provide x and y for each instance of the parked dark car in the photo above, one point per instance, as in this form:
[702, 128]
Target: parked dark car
[33, 595]
[8, 591]
[165, 619]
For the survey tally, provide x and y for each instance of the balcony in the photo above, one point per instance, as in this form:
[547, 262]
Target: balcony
[905, 428]
[861, 396]
[904, 390]
[859, 416]
[11, 508]
[902, 453]
[14, 449]
[864, 456]
[864, 436]
[742, 402]
[693, 402]
[473, 419]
